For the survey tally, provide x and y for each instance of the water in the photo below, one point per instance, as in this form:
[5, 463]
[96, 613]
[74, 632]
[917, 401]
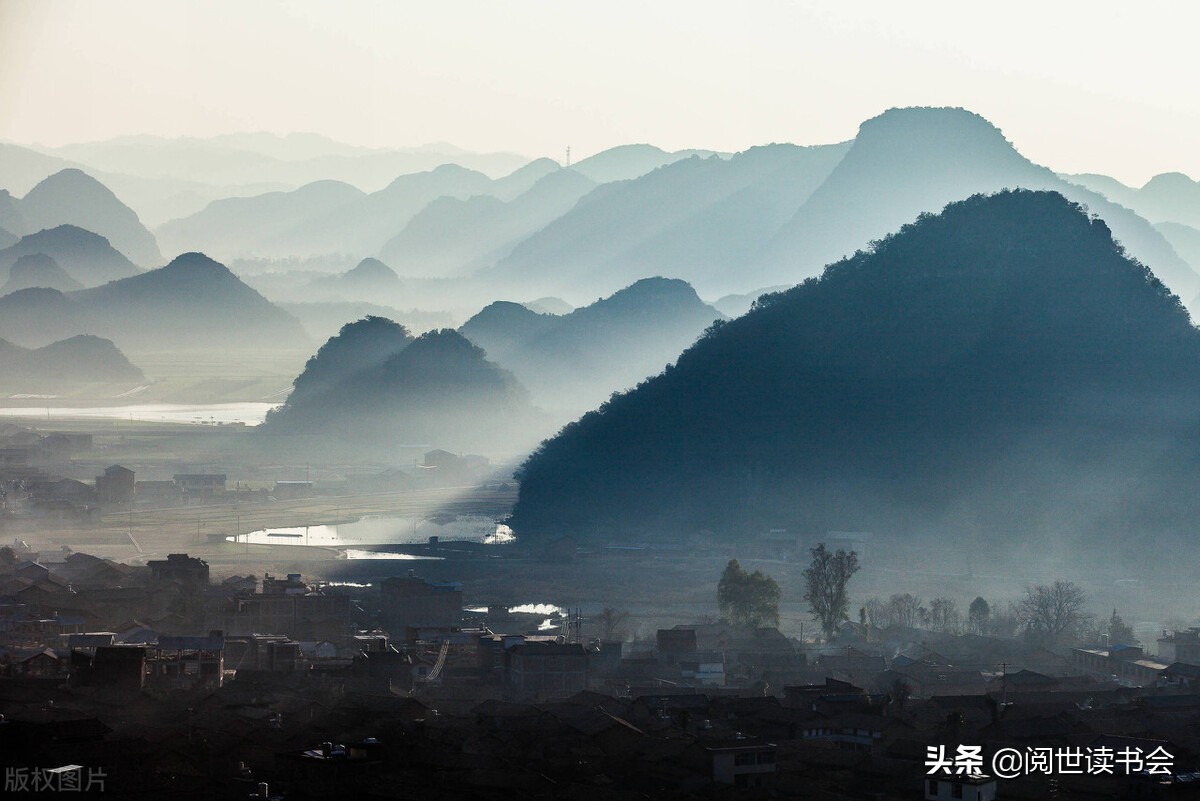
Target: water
[382, 531]
[249, 413]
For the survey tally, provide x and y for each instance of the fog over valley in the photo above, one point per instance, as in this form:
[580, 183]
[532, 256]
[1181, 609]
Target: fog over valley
[788, 402]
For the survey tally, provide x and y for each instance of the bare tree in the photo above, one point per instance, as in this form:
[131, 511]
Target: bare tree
[904, 609]
[943, 615]
[1053, 613]
[825, 582]
[610, 621]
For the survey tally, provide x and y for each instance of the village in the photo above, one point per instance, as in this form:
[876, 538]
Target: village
[165, 673]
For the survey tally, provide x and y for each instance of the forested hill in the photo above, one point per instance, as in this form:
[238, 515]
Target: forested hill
[1000, 366]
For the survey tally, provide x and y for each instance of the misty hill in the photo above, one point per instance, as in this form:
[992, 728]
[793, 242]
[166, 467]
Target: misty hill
[38, 270]
[324, 320]
[549, 305]
[7, 239]
[239, 226]
[72, 197]
[1169, 197]
[356, 347]
[192, 303]
[87, 257]
[440, 390]
[577, 360]
[625, 162]
[453, 236]
[362, 226]
[1001, 369]
[65, 365]
[737, 305]
[370, 279]
[1184, 239]
[258, 158]
[913, 160]
[702, 219]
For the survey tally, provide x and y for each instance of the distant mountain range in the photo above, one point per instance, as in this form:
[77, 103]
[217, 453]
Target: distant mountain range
[1001, 372]
[372, 389]
[63, 366]
[72, 197]
[1171, 197]
[702, 219]
[578, 360]
[192, 304]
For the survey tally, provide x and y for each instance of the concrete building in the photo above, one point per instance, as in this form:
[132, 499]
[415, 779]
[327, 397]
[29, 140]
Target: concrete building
[179, 567]
[411, 603]
[198, 487]
[968, 787]
[545, 670]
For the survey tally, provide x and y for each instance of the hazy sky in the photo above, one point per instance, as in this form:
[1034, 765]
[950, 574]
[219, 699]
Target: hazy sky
[1077, 86]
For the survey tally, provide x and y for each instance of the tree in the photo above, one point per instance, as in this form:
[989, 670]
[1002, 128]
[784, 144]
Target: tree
[748, 599]
[825, 582]
[610, 621]
[905, 610]
[1053, 614]
[977, 615]
[1120, 632]
[943, 615]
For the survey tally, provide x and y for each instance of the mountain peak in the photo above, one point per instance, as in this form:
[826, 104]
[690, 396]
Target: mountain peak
[197, 265]
[373, 270]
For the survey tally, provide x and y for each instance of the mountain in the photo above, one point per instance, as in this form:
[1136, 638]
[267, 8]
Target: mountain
[65, 365]
[7, 239]
[364, 225]
[72, 197]
[701, 219]
[11, 219]
[324, 320]
[38, 270]
[370, 279]
[549, 305]
[1002, 373]
[913, 160]
[1169, 197]
[192, 304]
[625, 162]
[87, 257]
[1184, 239]
[256, 158]
[454, 236]
[439, 390]
[577, 360]
[737, 305]
[240, 226]
[356, 347]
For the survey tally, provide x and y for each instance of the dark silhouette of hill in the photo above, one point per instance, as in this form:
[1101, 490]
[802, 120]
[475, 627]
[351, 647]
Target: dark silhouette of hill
[577, 360]
[370, 279]
[1001, 369]
[737, 305]
[913, 160]
[38, 270]
[72, 197]
[87, 257]
[65, 365]
[702, 219]
[454, 236]
[192, 304]
[357, 346]
[239, 226]
[440, 390]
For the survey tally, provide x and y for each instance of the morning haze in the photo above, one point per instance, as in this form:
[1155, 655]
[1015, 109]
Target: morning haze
[664, 401]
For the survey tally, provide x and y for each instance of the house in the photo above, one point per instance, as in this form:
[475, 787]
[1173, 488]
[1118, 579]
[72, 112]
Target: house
[545, 670]
[410, 603]
[743, 762]
[115, 487]
[179, 567]
[197, 487]
[1180, 646]
[189, 660]
[157, 492]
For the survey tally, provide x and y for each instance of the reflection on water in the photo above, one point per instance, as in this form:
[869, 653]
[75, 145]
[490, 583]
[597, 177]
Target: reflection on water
[536, 609]
[250, 414]
[354, 553]
[383, 531]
